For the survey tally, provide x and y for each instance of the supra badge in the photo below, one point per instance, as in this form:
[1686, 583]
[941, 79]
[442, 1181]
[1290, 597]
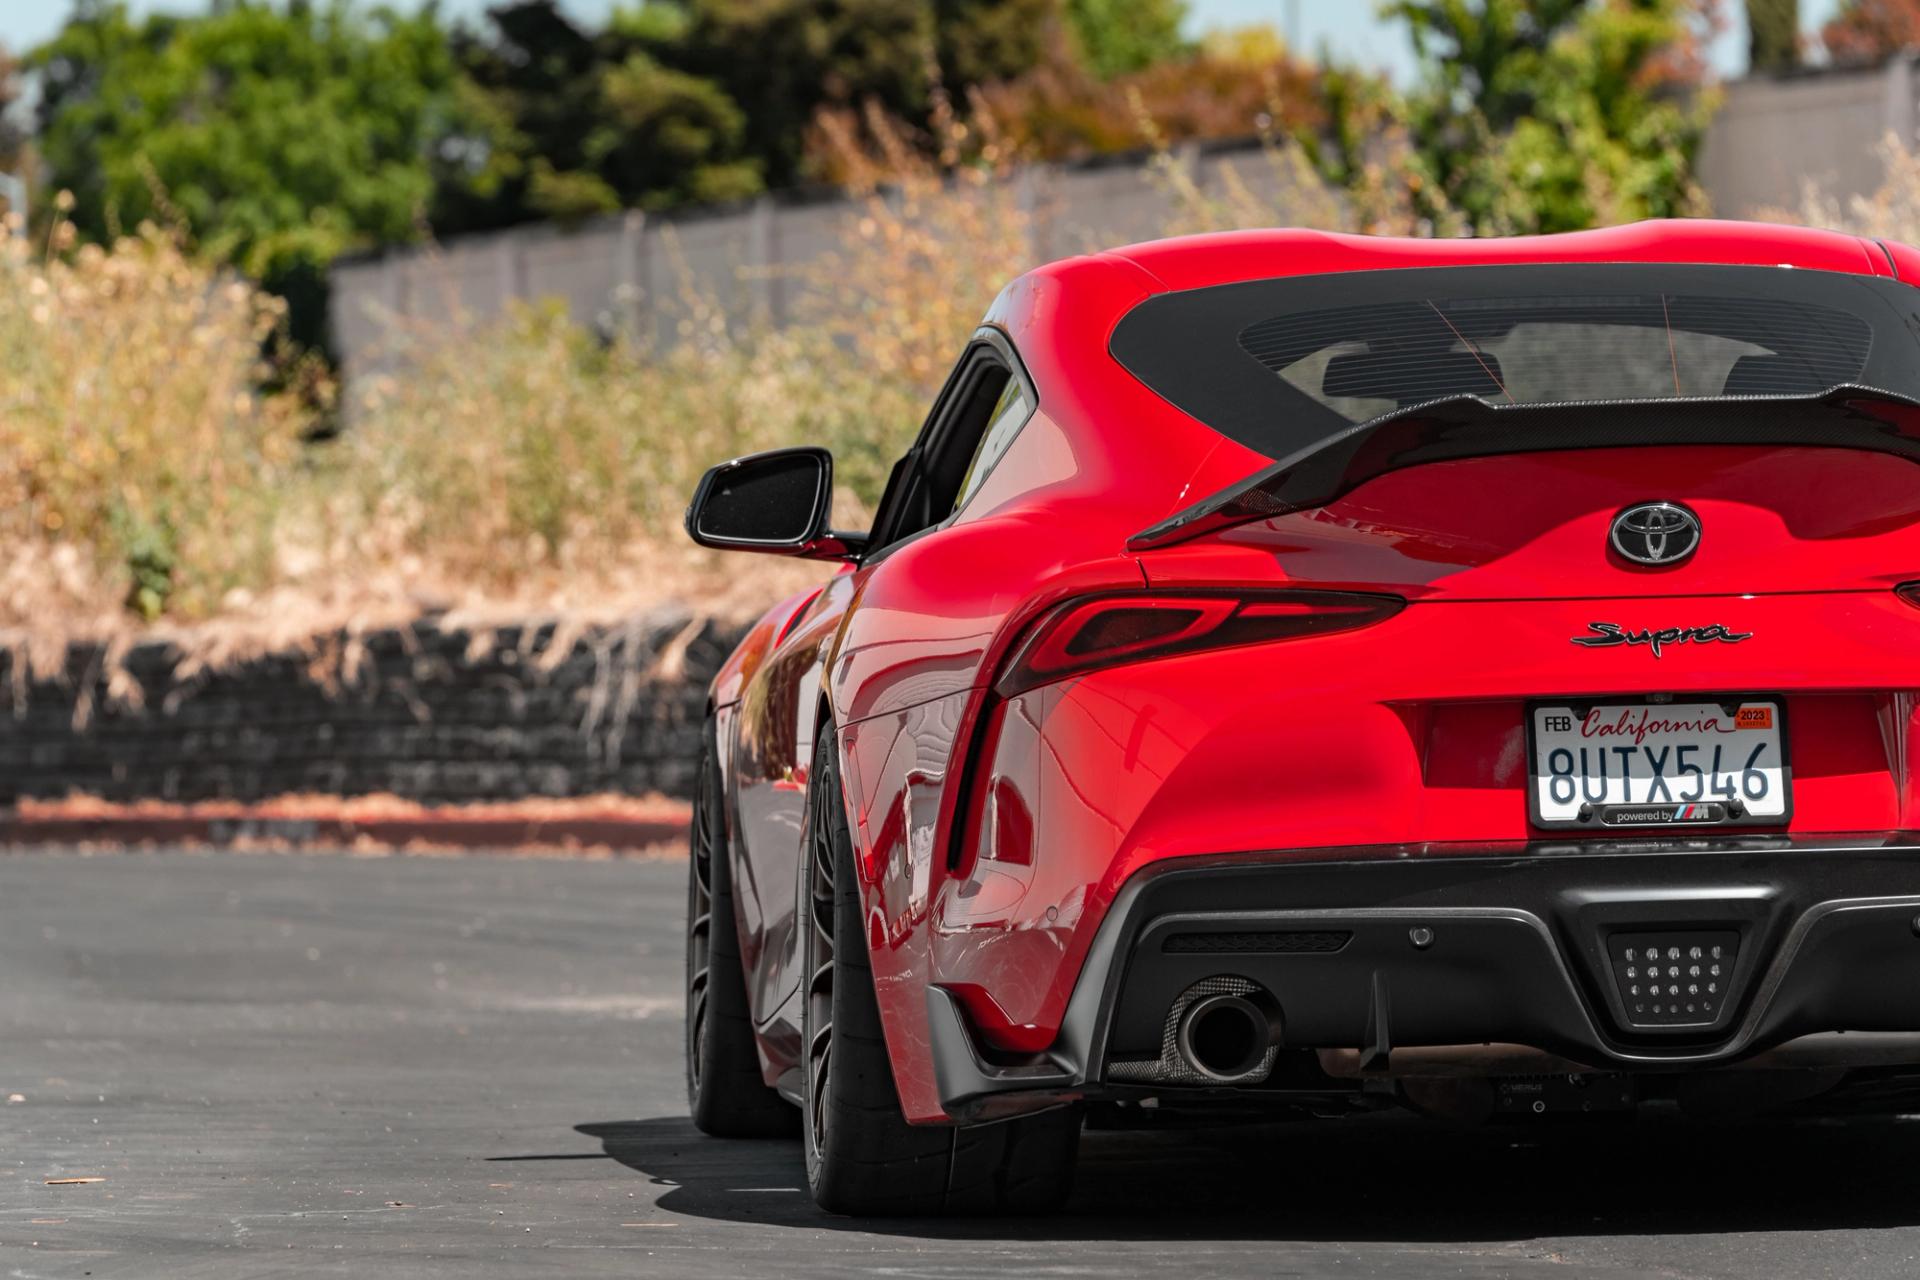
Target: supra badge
[1655, 533]
[1606, 635]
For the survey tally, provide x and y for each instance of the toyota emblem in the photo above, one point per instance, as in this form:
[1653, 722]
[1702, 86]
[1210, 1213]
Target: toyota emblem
[1656, 533]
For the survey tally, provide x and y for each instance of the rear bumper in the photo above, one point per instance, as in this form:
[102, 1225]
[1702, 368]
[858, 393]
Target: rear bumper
[1384, 950]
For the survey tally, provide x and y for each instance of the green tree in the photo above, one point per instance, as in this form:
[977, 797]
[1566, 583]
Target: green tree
[1115, 37]
[1773, 34]
[783, 61]
[1553, 115]
[695, 100]
[276, 138]
[15, 142]
[1865, 31]
[562, 123]
[668, 137]
[529, 92]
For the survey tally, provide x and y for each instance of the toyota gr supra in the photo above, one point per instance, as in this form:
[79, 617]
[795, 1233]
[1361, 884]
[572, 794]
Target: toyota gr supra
[1303, 674]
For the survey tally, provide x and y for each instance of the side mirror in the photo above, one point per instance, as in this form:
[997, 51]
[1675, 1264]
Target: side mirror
[776, 502]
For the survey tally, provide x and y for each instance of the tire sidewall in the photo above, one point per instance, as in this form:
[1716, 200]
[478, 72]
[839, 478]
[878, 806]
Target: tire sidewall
[849, 940]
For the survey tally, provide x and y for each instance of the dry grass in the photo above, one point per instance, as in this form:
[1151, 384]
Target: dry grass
[936, 233]
[1891, 211]
[518, 468]
[552, 474]
[144, 460]
[1283, 187]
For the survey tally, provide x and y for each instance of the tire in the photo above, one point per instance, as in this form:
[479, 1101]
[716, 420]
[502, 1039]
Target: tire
[863, 1158]
[725, 1092]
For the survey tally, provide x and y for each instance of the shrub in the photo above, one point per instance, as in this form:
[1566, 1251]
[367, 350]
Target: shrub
[554, 455]
[145, 459]
[1891, 210]
[518, 465]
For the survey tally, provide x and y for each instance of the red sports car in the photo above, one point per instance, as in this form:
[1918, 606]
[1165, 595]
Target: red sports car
[1297, 674]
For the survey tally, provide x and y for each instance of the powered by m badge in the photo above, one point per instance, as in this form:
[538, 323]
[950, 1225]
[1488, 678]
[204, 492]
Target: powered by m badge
[1666, 815]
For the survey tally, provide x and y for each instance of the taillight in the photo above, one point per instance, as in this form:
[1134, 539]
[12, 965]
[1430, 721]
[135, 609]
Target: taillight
[1084, 635]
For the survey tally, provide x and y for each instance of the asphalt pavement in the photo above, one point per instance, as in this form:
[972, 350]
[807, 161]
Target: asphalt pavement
[301, 1065]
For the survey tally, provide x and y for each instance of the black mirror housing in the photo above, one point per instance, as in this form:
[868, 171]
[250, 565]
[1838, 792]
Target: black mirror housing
[777, 502]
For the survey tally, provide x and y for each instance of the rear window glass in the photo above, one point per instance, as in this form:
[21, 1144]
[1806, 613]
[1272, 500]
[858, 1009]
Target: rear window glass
[1279, 364]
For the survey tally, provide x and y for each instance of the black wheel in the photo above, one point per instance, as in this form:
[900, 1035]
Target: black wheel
[862, 1155]
[724, 1090]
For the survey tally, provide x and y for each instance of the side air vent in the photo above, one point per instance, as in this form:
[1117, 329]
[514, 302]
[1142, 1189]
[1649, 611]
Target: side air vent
[1279, 942]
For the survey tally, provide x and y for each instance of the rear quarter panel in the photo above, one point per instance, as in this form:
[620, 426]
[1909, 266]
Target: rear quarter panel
[922, 640]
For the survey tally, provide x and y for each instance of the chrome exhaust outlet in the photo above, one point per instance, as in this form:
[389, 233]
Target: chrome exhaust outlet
[1227, 1037]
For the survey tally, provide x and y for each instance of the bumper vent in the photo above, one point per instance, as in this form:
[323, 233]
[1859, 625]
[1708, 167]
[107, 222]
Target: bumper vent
[1282, 942]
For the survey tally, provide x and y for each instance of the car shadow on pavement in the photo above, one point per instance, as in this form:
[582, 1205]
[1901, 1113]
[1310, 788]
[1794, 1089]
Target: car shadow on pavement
[1374, 1179]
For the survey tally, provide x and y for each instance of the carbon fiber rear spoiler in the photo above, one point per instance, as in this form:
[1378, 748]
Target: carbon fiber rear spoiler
[1849, 416]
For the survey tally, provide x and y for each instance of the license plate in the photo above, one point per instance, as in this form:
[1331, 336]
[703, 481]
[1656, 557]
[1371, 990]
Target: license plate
[1659, 764]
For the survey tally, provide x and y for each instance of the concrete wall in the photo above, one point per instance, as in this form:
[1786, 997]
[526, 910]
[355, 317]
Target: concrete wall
[1774, 135]
[427, 715]
[636, 271]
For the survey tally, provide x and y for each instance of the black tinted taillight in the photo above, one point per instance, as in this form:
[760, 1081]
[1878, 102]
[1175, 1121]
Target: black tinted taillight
[1084, 635]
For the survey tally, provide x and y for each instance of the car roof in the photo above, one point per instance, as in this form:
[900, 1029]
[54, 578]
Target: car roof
[1062, 315]
[1193, 262]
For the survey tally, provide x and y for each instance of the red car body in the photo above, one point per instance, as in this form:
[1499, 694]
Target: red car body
[999, 819]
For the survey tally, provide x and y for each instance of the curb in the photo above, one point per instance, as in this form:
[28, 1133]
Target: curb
[450, 830]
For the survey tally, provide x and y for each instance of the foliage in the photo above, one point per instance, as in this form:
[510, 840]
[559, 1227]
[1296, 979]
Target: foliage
[556, 466]
[277, 137]
[146, 456]
[558, 452]
[523, 459]
[938, 232]
[526, 93]
[1773, 34]
[1871, 31]
[1115, 37]
[1339, 182]
[1231, 87]
[980, 41]
[561, 123]
[277, 134]
[280, 133]
[695, 100]
[527, 461]
[1552, 115]
[16, 156]
[1891, 211]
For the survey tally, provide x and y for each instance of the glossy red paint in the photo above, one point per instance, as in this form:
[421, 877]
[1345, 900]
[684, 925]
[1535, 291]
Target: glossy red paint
[747, 656]
[1524, 527]
[994, 833]
[1197, 261]
[1903, 260]
[772, 745]
[1336, 741]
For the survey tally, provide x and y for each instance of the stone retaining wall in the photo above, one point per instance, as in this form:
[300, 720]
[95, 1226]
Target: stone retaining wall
[429, 714]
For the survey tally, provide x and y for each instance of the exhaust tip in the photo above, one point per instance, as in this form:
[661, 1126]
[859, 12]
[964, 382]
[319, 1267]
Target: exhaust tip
[1226, 1037]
